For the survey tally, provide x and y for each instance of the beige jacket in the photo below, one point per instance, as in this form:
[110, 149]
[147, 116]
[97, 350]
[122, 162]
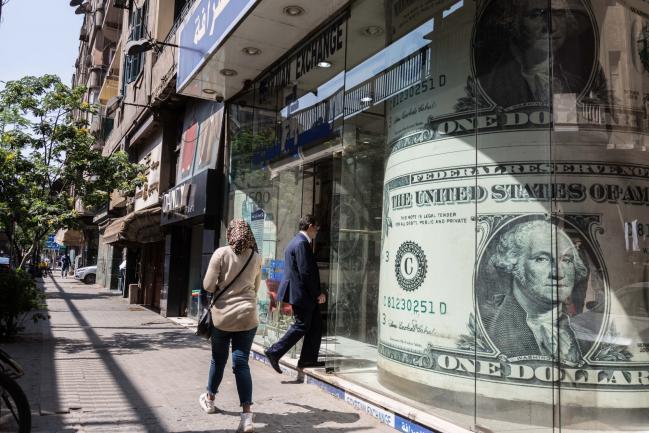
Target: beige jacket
[236, 309]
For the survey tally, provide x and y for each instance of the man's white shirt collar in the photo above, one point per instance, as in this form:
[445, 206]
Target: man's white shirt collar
[308, 239]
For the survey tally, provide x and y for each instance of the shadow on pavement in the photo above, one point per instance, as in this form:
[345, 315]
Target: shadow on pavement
[308, 421]
[64, 416]
[125, 343]
[144, 415]
[79, 296]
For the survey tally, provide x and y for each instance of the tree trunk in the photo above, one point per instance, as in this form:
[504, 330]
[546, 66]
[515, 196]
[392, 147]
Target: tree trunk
[26, 256]
[32, 249]
[16, 252]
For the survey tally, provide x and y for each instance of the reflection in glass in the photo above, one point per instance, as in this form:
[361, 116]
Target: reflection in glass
[480, 172]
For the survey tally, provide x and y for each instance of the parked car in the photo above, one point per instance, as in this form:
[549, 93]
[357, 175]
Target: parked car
[87, 274]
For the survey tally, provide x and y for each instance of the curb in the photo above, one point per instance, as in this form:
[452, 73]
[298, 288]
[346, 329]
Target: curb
[389, 412]
[383, 415]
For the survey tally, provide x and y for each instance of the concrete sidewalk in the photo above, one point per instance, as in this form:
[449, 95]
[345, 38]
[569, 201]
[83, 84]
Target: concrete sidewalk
[102, 365]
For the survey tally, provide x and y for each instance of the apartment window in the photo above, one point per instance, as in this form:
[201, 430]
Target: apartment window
[133, 64]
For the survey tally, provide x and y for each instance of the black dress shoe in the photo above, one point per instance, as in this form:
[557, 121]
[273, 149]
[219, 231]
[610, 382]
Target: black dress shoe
[274, 361]
[310, 364]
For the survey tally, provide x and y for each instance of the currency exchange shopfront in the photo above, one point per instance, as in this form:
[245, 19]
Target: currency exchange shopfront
[480, 173]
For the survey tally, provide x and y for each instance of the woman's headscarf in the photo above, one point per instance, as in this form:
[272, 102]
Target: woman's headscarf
[240, 237]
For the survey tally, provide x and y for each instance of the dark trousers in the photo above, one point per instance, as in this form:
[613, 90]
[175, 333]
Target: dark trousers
[307, 323]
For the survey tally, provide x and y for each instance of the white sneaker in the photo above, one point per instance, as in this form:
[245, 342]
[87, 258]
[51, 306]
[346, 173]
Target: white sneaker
[246, 425]
[206, 404]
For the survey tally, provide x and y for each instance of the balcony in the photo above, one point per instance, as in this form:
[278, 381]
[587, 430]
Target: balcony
[111, 32]
[117, 200]
[110, 86]
[109, 89]
[112, 21]
[83, 209]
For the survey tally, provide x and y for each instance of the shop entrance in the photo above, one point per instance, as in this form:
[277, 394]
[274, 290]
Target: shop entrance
[318, 186]
[152, 256]
[305, 189]
[317, 199]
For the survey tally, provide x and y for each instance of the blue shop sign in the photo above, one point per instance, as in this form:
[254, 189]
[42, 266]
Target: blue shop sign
[291, 145]
[204, 30]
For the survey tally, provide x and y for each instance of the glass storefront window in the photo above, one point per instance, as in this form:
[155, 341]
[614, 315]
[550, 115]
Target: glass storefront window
[405, 253]
[284, 135]
[480, 171]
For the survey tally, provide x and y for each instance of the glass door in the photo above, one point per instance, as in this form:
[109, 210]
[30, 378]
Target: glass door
[318, 200]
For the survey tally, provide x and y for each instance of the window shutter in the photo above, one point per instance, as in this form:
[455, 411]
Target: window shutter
[133, 64]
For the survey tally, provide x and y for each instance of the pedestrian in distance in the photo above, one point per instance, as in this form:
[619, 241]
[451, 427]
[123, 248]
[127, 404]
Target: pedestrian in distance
[47, 267]
[235, 269]
[300, 287]
[65, 265]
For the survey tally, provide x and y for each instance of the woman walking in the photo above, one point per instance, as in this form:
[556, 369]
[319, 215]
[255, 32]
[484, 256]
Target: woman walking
[236, 269]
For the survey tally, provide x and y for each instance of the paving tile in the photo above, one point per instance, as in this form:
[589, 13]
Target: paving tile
[101, 365]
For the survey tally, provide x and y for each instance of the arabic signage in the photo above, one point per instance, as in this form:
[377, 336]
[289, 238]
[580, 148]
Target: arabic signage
[148, 193]
[203, 30]
[515, 216]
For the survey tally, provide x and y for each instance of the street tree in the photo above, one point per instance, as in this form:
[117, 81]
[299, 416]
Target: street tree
[48, 164]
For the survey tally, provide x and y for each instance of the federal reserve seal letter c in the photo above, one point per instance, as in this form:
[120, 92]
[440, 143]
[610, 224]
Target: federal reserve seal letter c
[410, 266]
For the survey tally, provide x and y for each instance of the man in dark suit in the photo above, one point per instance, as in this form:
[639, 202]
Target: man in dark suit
[300, 287]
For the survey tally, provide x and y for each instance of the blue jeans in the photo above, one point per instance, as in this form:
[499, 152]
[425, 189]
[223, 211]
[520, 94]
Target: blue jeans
[241, 344]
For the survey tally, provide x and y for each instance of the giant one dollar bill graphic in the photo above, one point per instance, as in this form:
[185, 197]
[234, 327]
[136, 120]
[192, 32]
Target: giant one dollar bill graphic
[515, 202]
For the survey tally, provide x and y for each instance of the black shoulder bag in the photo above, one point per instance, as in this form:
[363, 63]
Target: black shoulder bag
[204, 327]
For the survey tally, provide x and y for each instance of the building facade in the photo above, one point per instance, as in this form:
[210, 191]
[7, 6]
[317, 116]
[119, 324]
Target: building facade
[191, 211]
[479, 171]
[138, 115]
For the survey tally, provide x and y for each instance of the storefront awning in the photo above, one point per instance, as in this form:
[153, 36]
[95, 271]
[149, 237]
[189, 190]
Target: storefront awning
[69, 237]
[142, 227]
[203, 54]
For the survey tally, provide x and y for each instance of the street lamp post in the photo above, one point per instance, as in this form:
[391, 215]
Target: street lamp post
[133, 48]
